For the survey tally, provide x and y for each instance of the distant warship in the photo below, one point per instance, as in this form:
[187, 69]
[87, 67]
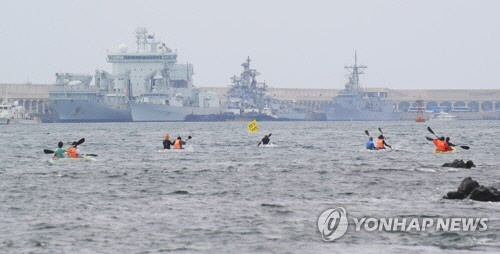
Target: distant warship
[163, 89]
[74, 100]
[353, 104]
[247, 98]
[147, 85]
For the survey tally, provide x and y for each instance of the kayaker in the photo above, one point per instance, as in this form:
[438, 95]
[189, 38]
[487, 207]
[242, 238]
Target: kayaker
[381, 142]
[441, 145]
[265, 140]
[59, 151]
[178, 143]
[370, 145]
[166, 142]
[73, 151]
[460, 164]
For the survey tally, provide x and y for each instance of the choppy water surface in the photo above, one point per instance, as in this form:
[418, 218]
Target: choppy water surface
[228, 196]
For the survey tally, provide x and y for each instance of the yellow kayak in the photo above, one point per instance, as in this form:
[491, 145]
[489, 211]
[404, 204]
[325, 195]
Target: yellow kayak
[453, 150]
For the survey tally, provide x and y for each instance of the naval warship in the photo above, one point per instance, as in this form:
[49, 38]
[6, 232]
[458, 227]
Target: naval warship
[247, 98]
[163, 89]
[74, 99]
[353, 104]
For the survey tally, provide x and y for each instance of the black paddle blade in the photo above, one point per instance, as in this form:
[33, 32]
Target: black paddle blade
[189, 137]
[430, 139]
[465, 147]
[80, 141]
[367, 133]
[91, 154]
[269, 135]
[47, 151]
[430, 130]
[380, 131]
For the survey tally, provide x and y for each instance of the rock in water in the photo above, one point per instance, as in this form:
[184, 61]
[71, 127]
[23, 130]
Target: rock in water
[455, 195]
[472, 189]
[482, 193]
[467, 186]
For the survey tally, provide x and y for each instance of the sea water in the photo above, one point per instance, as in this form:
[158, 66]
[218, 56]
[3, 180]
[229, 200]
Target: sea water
[228, 196]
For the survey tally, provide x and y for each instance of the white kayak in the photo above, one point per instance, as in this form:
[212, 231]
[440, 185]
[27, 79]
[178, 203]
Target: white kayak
[387, 150]
[55, 160]
[186, 149]
[268, 145]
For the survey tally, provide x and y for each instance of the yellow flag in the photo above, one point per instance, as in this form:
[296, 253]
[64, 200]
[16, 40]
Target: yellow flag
[253, 127]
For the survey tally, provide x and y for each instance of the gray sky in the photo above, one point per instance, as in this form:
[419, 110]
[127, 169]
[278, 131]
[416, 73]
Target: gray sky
[406, 44]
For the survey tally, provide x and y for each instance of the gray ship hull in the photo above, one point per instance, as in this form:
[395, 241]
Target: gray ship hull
[344, 114]
[293, 116]
[145, 112]
[68, 110]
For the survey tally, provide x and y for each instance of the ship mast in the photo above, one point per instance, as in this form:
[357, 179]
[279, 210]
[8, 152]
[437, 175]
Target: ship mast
[354, 72]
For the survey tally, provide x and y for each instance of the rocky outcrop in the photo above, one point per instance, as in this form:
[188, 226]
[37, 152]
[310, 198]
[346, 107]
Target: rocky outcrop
[471, 189]
[459, 164]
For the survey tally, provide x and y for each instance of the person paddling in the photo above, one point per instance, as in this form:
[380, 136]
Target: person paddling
[370, 145]
[59, 151]
[166, 142]
[178, 143]
[73, 151]
[441, 144]
[265, 140]
[381, 142]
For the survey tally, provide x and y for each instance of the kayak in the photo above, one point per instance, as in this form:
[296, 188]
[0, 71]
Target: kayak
[268, 145]
[453, 150]
[379, 150]
[54, 160]
[171, 150]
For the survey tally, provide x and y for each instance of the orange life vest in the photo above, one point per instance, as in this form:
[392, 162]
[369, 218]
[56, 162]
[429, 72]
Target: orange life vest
[72, 152]
[380, 144]
[441, 146]
[177, 144]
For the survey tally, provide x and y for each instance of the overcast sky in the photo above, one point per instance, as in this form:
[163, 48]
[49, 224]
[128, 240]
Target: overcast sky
[406, 44]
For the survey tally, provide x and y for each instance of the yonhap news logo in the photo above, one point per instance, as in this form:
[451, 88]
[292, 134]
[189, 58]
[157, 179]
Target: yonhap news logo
[333, 224]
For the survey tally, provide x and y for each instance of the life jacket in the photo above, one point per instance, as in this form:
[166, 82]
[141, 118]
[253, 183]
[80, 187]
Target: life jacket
[72, 152]
[441, 146]
[177, 144]
[380, 144]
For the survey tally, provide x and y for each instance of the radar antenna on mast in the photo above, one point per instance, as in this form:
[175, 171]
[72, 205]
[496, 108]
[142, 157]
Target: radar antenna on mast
[141, 36]
[354, 72]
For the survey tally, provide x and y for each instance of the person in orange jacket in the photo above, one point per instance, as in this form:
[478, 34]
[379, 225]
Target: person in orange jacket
[441, 145]
[178, 143]
[381, 143]
[73, 151]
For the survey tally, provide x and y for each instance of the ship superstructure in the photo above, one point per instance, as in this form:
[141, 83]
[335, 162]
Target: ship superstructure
[353, 104]
[162, 88]
[146, 85]
[246, 95]
[74, 99]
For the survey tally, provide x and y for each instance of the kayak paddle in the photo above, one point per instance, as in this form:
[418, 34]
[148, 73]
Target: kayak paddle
[261, 140]
[79, 142]
[367, 133]
[47, 151]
